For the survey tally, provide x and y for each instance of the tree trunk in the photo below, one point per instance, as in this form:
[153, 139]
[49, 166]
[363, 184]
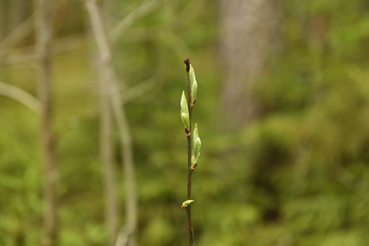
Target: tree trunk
[106, 155]
[106, 151]
[107, 69]
[249, 36]
[43, 39]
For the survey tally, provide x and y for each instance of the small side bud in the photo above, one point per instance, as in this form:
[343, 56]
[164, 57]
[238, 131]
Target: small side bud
[186, 203]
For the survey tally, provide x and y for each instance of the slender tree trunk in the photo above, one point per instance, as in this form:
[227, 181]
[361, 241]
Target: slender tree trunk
[43, 39]
[122, 122]
[106, 155]
[249, 31]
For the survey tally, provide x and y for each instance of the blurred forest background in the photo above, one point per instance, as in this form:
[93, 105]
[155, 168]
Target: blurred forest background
[282, 107]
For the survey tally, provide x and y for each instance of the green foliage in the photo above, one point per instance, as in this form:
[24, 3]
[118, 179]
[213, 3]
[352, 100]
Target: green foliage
[296, 176]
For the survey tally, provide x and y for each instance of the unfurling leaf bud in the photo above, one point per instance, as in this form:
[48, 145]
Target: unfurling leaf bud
[196, 145]
[193, 84]
[186, 203]
[185, 120]
[193, 94]
[195, 133]
[196, 149]
[184, 111]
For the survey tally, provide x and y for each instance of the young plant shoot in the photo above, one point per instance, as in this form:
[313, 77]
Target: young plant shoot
[193, 139]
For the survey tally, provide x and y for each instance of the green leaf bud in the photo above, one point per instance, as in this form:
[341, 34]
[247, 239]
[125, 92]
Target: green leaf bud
[184, 111]
[193, 94]
[196, 142]
[186, 203]
[186, 120]
[195, 133]
[196, 149]
[193, 84]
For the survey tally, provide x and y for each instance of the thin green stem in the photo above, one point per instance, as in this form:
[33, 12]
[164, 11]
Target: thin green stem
[189, 143]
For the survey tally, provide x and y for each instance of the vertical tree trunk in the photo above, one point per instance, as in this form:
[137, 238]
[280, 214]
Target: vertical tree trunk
[124, 132]
[43, 39]
[106, 154]
[249, 28]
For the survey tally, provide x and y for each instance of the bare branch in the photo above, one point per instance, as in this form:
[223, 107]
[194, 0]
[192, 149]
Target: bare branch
[124, 24]
[127, 97]
[19, 58]
[138, 90]
[26, 54]
[18, 34]
[21, 96]
[24, 29]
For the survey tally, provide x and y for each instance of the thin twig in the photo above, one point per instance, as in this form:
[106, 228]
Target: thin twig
[26, 54]
[138, 90]
[21, 96]
[18, 34]
[125, 23]
[189, 154]
[25, 28]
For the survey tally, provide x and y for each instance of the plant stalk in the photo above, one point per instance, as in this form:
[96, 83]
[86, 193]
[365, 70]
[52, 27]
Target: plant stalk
[189, 144]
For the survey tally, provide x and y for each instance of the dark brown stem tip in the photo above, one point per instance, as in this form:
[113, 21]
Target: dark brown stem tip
[187, 62]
